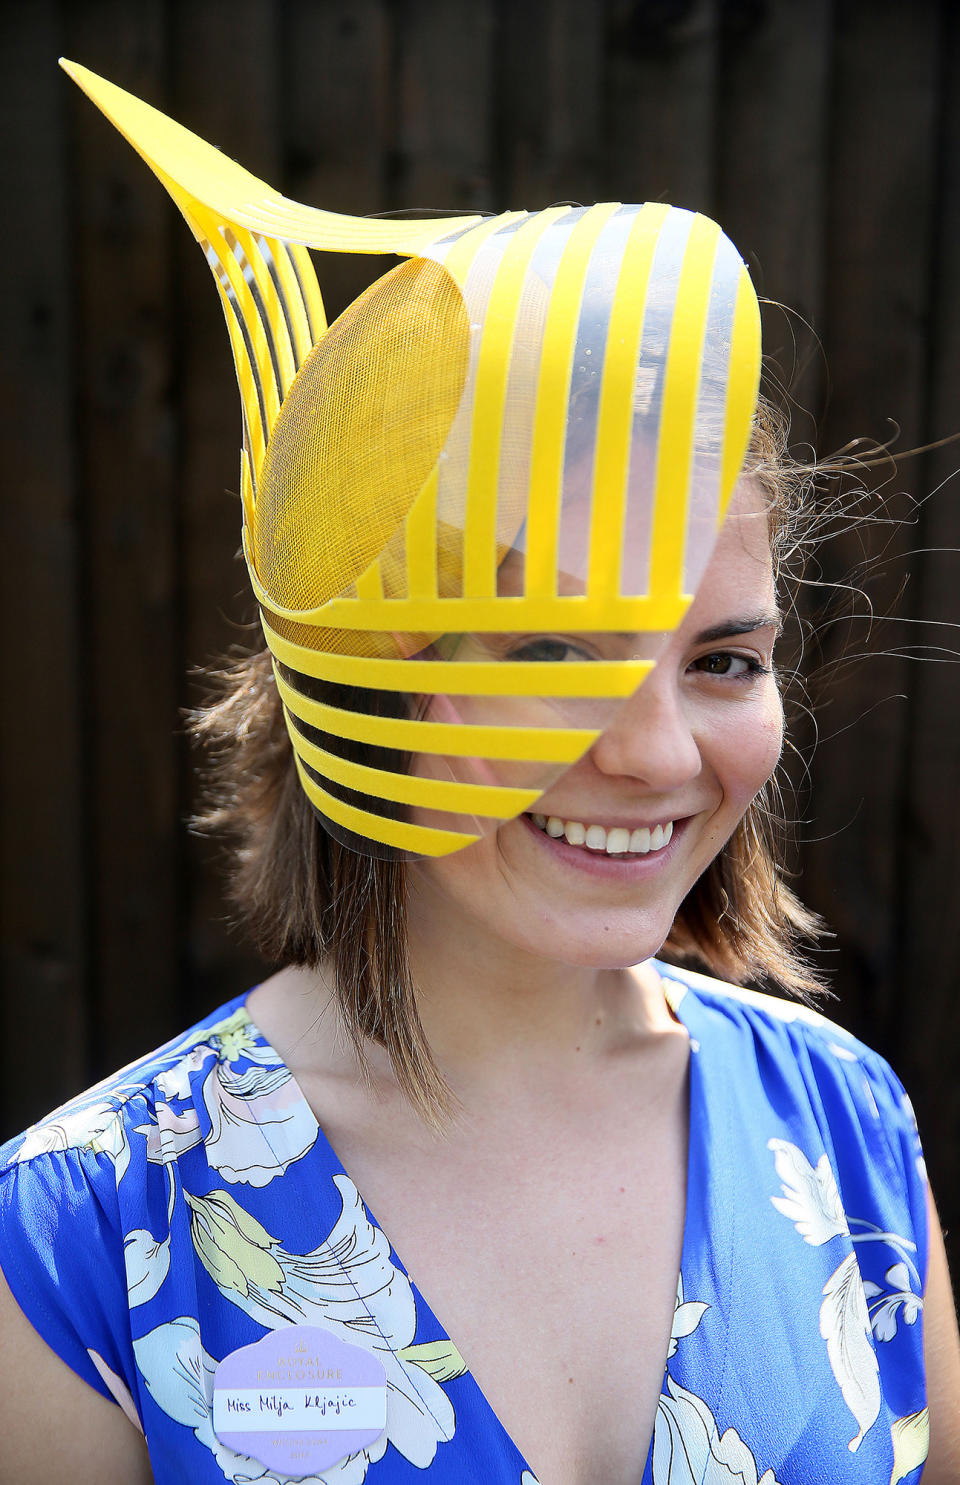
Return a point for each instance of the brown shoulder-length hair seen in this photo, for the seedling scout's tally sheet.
(306, 900)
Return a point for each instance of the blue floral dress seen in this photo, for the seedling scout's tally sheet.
(191, 1204)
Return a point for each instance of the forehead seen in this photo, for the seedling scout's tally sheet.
(741, 562)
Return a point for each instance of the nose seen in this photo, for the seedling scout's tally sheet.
(651, 738)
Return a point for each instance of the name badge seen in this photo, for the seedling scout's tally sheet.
(299, 1400)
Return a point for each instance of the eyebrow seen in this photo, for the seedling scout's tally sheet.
(733, 627)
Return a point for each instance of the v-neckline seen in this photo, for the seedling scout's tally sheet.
(695, 1237)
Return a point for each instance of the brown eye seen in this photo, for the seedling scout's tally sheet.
(547, 647)
(722, 663)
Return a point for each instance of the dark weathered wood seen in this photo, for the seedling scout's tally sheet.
(660, 103)
(928, 840)
(337, 135)
(772, 158)
(43, 1010)
(880, 203)
(241, 114)
(825, 138)
(550, 65)
(444, 119)
(126, 471)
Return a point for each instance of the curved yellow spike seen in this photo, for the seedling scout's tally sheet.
(187, 165)
(604, 479)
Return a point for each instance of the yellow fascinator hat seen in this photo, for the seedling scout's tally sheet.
(476, 504)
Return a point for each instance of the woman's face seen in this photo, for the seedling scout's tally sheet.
(682, 759)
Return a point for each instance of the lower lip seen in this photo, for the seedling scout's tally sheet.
(598, 864)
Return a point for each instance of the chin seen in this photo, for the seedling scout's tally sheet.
(600, 942)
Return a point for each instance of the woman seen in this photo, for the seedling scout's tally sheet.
(676, 1231)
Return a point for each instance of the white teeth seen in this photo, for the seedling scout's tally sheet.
(615, 841)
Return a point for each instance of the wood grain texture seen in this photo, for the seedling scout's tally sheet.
(44, 1011)
(550, 67)
(444, 118)
(927, 840)
(125, 468)
(243, 114)
(880, 202)
(824, 136)
(660, 97)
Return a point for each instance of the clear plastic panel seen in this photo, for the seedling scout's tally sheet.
(569, 516)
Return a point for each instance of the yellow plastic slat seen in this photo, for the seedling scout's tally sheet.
(615, 414)
(458, 256)
(742, 386)
(496, 802)
(422, 840)
(247, 497)
(574, 614)
(252, 321)
(463, 740)
(302, 263)
(678, 417)
(291, 292)
(553, 391)
(369, 584)
(464, 678)
(181, 159)
(249, 401)
(277, 320)
(421, 543)
(489, 398)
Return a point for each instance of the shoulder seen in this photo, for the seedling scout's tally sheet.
(791, 1036)
(812, 1085)
(90, 1216)
(738, 1004)
(793, 1041)
(94, 1125)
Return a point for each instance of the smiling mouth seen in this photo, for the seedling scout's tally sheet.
(615, 840)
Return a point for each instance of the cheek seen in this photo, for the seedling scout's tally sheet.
(750, 749)
(464, 879)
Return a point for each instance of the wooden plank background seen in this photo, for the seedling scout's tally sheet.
(823, 134)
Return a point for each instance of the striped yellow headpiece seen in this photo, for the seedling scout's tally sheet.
(475, 505)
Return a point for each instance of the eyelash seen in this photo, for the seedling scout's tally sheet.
(754, 667)
(525, 651)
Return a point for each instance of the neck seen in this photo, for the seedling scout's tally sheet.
(495, 1013)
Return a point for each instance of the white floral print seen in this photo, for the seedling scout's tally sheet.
(848, 1322)
(686, 1317)
(911, 1442)
(845, 1326)
(810, 1200)
(887, 1304)
(348, 1285)
(688, 1447)
(259, 1120)
(146, 1258)
(88, 1124)
(218, 1109)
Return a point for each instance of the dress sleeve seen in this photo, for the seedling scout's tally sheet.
(61, 1251)
(898, 1148)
